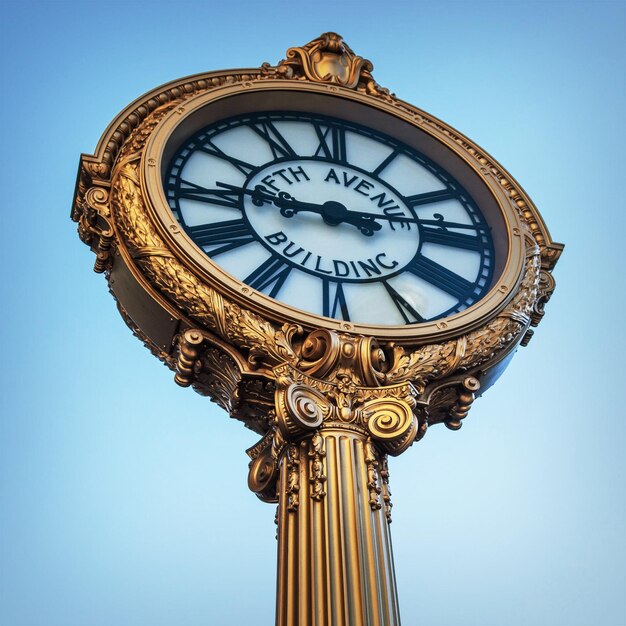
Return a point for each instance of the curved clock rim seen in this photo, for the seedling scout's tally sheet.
(405, 123)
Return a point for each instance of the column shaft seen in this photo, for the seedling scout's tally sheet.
(335, 562)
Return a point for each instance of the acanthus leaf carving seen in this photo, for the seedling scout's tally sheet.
(372, 464)
(433, 361)
(317, 473)
(293, 477)
(384, 475)
(251, 332)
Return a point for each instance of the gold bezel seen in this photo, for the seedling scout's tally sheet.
(406, 123)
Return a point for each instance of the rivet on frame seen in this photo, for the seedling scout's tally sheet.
(174, 229)
(180, 110)
(442, 325)
(245, 290)
(503, 288)
(516, 232)
(151, 162)
(346, 326)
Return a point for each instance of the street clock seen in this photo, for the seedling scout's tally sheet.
(334, 267)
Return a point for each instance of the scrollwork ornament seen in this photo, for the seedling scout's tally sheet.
(263, 476)
(300, 409)
(98, 198)
(545, 289)
(328, 59)
(319, 352)
(388, 419)
(97, 170)
(345, 359)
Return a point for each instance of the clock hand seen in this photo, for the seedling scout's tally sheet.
(333, 213)
(438, 221)
(260, 195)
(287, 204)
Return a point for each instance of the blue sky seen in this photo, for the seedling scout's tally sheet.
(123, 498)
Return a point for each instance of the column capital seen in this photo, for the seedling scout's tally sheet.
(388, 419)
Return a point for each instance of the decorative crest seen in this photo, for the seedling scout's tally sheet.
(328, 59)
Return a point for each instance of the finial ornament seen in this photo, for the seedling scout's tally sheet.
(328, 59)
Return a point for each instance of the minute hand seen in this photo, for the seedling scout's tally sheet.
(438, 221)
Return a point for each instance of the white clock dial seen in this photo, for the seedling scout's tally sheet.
(331, 218)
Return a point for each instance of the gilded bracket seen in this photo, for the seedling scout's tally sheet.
(188, 364)
(263, 469)
(94, 225)
(449, 401)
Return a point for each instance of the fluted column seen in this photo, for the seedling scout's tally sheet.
(335, 561)
(324, 460)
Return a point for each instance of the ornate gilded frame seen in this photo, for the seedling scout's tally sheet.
(170, 293)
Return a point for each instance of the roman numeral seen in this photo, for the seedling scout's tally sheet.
(445, 237)
(409, 314)
(441, 277)
(333, 300)
(225, 235)
(386, 162)
(429, 197)
(278, 144)
(213, 150)
(332, 142)
(222, 197)
(272, 273)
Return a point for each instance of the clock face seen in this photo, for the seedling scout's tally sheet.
(332, 218)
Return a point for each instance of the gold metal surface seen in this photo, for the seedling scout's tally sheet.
(329, 399)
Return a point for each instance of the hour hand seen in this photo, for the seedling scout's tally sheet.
(333, 213)
(260, 195)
